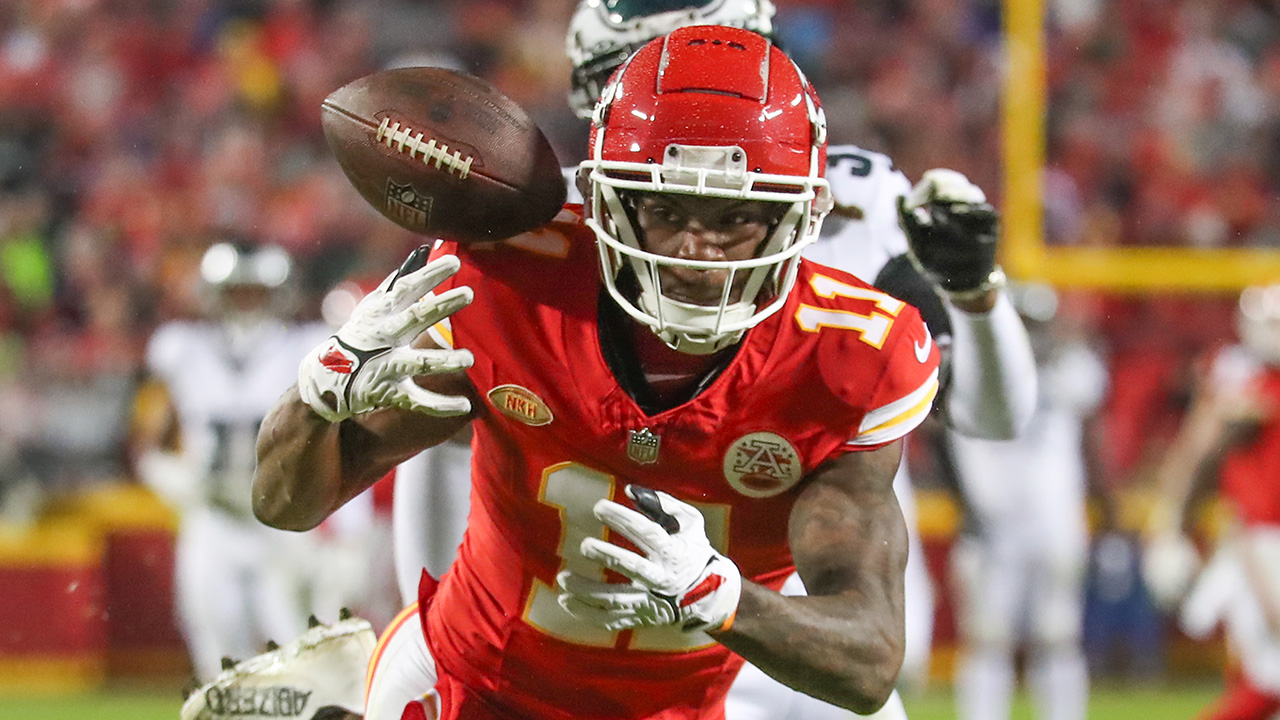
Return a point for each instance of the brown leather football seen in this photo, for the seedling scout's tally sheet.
(443, 154)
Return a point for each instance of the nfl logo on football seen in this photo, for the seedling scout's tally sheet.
(408, 206)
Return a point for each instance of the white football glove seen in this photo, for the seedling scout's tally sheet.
(680, 579)
(1170, 562)
(369, 363)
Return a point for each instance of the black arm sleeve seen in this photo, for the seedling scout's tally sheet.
(902, 280)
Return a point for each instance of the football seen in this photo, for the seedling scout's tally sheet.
(443, 153)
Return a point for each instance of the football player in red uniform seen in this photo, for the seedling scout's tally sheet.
(672, 412)
(1232, 435)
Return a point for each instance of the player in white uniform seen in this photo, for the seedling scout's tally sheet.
(992, 391)
(211, 383)
(1018, 570)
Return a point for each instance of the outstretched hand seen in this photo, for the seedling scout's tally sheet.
(951, 230)
(369, 363)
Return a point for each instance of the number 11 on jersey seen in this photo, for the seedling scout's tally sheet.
(573, 490)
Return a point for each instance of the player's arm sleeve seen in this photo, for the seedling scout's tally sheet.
(992, 392)
(907, 387)
(990, 378)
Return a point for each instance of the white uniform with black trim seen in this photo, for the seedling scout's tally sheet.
(237, 580)
(1020, 577)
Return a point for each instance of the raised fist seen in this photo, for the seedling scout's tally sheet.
(951, 230)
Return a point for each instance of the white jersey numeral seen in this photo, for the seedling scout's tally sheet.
(872, 327)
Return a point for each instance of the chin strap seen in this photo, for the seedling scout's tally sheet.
(686, 314)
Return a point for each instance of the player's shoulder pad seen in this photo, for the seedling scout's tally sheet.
(169, 344)
(841, 301)
(560, 239)
(874, 351)
(855, 172)
(534, 265)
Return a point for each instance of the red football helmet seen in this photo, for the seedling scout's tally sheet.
(719, 112)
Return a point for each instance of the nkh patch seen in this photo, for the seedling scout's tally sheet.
(643, 446)
(762, 464)
(520, 404)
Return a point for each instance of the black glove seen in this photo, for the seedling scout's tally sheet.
(952, 240)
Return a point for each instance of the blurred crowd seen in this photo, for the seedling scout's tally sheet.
(134, 133)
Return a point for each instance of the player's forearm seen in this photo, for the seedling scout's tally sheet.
(1188, 467)
(299, 477)
(844, 642)
(993, 373)
(824, 646)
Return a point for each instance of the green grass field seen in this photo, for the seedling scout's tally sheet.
(1106, 703)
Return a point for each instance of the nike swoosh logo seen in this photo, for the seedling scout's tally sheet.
(922, 350)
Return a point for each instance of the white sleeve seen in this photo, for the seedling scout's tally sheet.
(1076, 380)
(993, 373)
(409, 517)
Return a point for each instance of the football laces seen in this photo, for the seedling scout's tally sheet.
(401, 138)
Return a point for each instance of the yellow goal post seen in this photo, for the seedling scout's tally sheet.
(1024, 253)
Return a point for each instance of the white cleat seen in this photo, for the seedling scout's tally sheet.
(323, 670)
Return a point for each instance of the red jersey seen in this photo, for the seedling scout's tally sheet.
(1250, 473)
(841, 367)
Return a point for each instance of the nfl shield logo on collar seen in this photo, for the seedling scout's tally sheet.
(642, 446)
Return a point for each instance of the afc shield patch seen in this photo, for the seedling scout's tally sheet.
(408, 206)
(642, 446)
(762, 464)
(520, 404)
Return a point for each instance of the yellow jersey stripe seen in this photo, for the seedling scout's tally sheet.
(409, 613)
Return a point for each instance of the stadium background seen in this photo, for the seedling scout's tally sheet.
(1136, 154)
